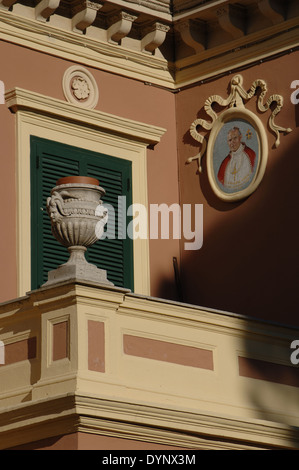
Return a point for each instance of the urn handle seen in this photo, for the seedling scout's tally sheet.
(55, 208)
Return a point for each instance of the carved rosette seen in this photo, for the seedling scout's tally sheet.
(80, 87)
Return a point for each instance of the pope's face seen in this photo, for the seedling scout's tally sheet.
(234, 140)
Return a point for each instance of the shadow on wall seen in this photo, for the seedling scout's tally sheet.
(249, 265)
(271, 386)
(249, 260)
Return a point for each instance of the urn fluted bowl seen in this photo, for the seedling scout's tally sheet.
(77, 218)
(75, 210)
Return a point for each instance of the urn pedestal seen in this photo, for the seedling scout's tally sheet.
(77, 218)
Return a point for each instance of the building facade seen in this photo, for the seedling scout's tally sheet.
(195, 344)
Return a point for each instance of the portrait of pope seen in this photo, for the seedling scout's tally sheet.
(237, 168)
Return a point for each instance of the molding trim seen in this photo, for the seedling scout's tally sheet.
(84, 49)
(141, 399)
(19, 99)
(240, 53)
(140, 58)
(192, 430)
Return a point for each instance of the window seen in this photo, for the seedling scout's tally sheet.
(57, 121)
(51, 161)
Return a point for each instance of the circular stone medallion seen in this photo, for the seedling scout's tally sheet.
(80, 87)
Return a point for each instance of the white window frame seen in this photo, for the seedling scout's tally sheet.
(63, 122)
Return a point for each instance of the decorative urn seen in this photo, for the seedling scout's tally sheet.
(77, 218)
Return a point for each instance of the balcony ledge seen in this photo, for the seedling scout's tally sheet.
(102, 360)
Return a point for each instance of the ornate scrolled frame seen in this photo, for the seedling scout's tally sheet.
(236, 109)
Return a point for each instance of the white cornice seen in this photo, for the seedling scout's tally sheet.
(155, 63)
(147, 7)
(86, 50)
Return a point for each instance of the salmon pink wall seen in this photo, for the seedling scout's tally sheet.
(86, 441)
(249, 260)
(120, 96)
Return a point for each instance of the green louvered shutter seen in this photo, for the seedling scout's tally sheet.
(113, 254)
(51, 161)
